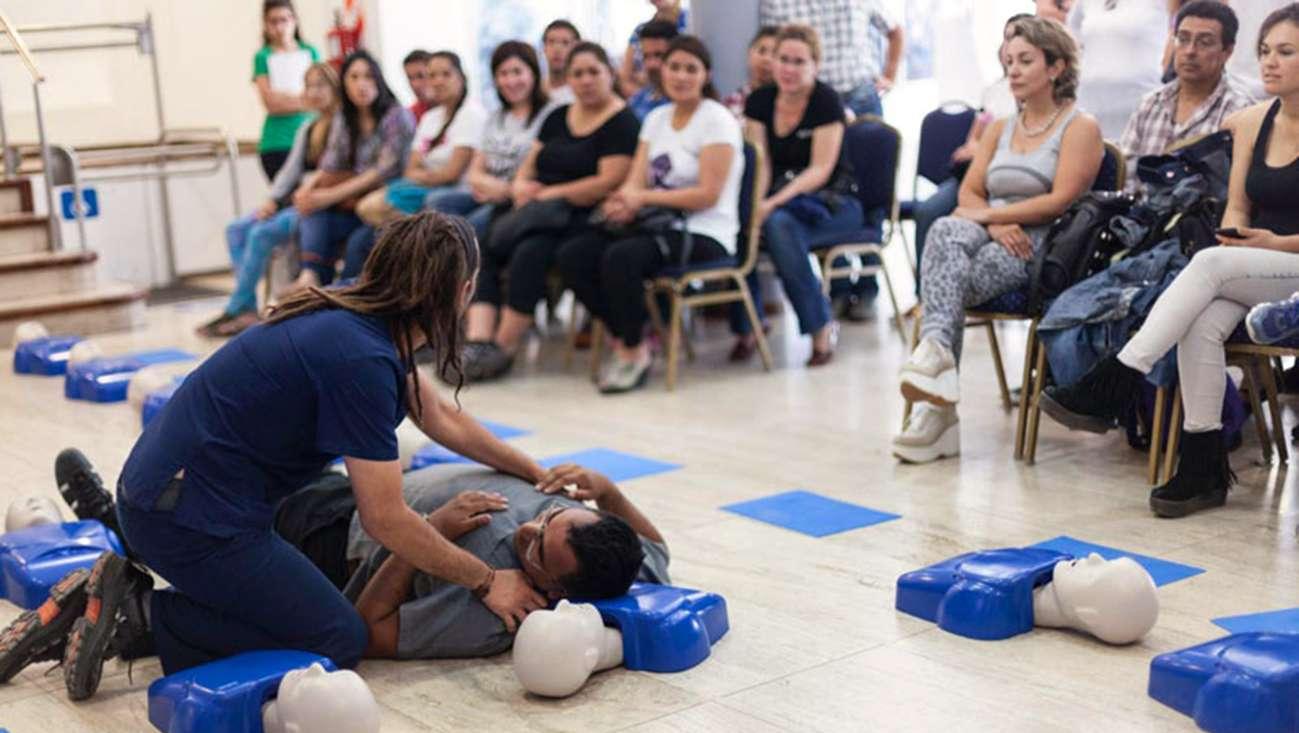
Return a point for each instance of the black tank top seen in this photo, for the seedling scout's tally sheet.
(1273, 192)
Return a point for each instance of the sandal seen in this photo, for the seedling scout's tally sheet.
(237, 324)
(209, 329)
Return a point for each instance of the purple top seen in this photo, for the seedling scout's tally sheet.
(384, 149)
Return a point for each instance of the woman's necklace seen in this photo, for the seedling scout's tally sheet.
(1023, 124)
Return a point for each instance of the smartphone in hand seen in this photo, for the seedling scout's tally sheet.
(1230, 232)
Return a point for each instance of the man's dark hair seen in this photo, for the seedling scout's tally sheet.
(1212, 10)
(609, 556)
(660, 29)
(561, 25)
(766, 31)
(418, 56)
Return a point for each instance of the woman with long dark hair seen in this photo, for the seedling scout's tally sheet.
(367, 146)
(330, 374)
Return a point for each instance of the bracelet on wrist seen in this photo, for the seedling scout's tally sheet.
(485, 587)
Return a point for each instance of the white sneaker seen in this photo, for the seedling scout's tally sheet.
(931, 433)
(930, 375)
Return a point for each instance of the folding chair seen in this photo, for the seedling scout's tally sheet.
(942, 131)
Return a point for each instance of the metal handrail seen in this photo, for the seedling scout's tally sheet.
(52, 223)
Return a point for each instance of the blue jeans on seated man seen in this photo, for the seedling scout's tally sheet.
(941, 203)
(785, 238)
(321, 236)
(462, 203)
(251, 242)
(864, 100)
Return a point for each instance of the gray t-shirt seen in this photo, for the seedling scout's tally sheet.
(507, 139)
(443, 619)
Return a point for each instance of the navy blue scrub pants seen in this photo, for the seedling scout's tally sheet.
(237, 594)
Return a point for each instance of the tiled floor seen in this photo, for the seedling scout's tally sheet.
(815, 642)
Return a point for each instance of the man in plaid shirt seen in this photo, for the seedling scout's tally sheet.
(1202, 95)
(854, 37)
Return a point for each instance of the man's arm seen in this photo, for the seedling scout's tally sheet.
(595, 486)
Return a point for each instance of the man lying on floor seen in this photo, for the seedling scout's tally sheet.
(566, 549)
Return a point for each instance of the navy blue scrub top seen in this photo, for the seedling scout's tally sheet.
(265, 414)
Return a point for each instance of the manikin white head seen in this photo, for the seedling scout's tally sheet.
(1114, 600)
(312, 700)
(556, 651)
(30, 512)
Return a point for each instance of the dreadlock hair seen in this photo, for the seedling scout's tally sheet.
(413, 278)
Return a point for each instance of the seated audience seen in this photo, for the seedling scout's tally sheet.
(631, 73)
(689, 159)
(1202, 95)
(761, 50)
(252, 238)
(1028, 169)
(582, 153)
(996, 103)
(1122, 44)
(654, 39)
(799, 124)
(556, 41)
(1257, 262)
(564, 548)
(278, 67)
(367, 144)
(506, 139)
(417, 76)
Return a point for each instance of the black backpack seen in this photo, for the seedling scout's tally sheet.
(1078, 245)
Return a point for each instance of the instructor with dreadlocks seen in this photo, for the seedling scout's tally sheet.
(332, 372)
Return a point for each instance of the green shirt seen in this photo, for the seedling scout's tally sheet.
(284, 70)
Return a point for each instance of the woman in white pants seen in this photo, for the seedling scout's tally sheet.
(1258, 262)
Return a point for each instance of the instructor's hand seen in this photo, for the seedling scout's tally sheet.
(512, 598)
(465, 513)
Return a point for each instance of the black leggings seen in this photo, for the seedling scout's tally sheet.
(525, 263)
(272, 162)
(608, 275)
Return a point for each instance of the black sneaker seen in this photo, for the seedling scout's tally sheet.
(1096, 402)
(114, 624)
(41, 634)
(1202, 479)
(82, 488)
(485, 361)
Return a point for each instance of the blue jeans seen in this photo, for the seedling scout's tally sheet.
(940, 204)
(243, 593)
(864, 100)
(462, 203)
(250, 243)
(321, 235)
(785, 238)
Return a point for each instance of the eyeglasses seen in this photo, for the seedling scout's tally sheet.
(536, 550)
(1201, 43)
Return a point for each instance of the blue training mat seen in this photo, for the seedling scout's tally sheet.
(665, 628)
(1243, 683)
(616, 465)
(225, 696)
(32, 560)
(1162, 571)
(1283, 621)
(809, 513)
(158, 399)
(980, 595)
(47, 356)
(434, 454)
(106, 380)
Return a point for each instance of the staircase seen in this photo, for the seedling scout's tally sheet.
(58, 289)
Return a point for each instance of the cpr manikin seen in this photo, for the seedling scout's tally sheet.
(1113, 600)
(30, 512)
(556, 651)
(312, 700)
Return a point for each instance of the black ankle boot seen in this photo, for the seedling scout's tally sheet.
(1202, 479)
(1096, 402)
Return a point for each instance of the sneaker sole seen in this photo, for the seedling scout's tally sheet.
(918, 388)
(948, 445)
(1073, 420)
(83, 662)
(1167, 509)
(39, 630)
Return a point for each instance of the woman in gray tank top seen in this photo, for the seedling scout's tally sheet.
(1028, 169)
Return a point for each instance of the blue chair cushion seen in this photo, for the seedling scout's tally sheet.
(1013, 303)
(679, 271)
(1241, 336)
(907, 209)
(869, 234)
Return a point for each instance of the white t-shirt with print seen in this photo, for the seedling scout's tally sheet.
(465, 132)
(674, 163)
(507, 140)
